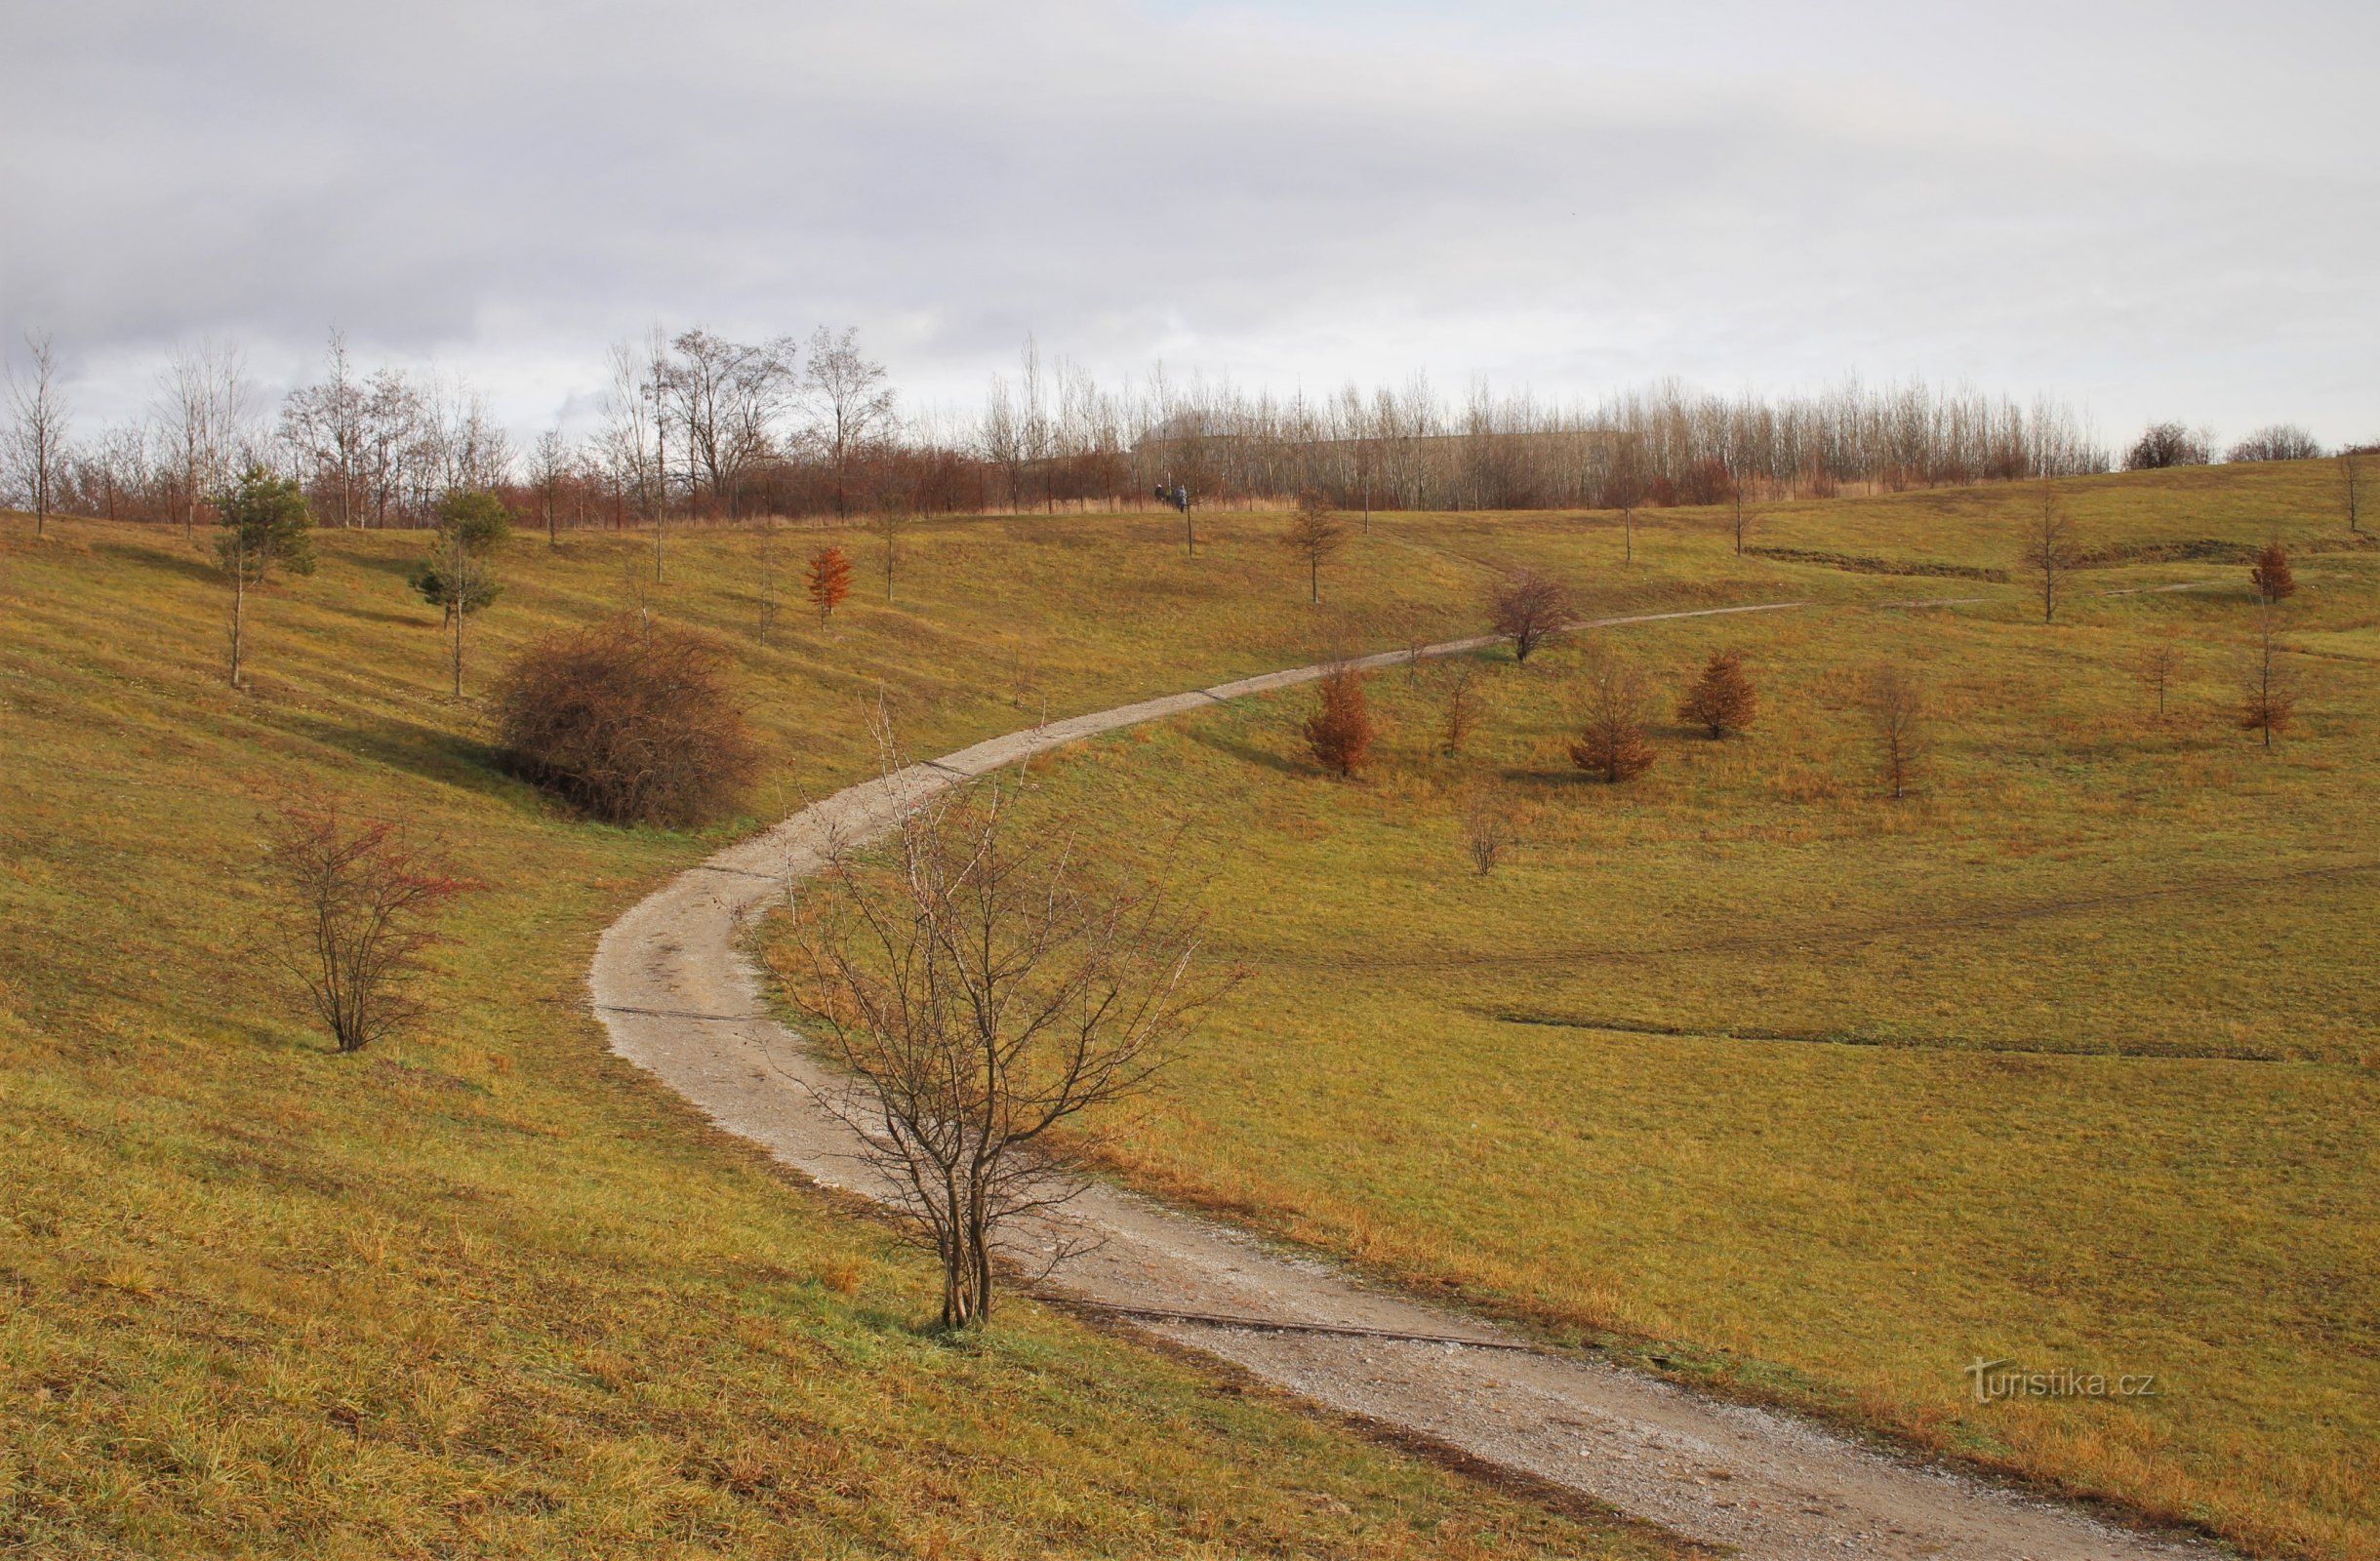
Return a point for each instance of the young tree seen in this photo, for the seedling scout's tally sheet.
(765, 565)
(551, 464)
(888, 520)
(1722, 699)
(2267, 692)
(2050, 551)
(2271, 575)
(990, 984)
(357, 904)
(1895, 702)
(459, 574)
(1340, 732)
(266, 524)
(850, 405)
(1459, 710)
(205, 408)
(2158, 668)
(36, 435)
(1488, 826)
(828, 581)
(1611, 741)
(1315, 533)
(2351, 489)
(1525, 607)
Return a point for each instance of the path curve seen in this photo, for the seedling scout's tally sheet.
(678, 996)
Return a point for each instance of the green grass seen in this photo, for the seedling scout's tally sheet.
(487, 1290)
(2070, 1057)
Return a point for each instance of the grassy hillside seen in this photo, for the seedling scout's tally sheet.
(2068, 1058)
(487, 1290)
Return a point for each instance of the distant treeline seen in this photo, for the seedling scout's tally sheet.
(696, 426)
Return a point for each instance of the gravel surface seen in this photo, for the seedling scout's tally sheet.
(678, 996)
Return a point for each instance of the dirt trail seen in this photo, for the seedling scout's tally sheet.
(679, 997)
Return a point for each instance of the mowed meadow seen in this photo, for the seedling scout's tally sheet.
(485, 1289)
(1747, 1073)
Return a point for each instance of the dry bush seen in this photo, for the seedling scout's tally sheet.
(1722, 700)
(1341, 732)
(2169, 444)
(828, 581)
(1489, 825)
(356, 903)
(1460, 711)
(1611, 741)
(2282, 441)
(628, 722)
(1525, 607)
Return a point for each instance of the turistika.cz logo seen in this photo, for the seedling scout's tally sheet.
(1996, 1380)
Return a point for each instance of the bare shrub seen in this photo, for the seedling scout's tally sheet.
(978, 990)
(1527, 606)
(358, 901)
(1460, 710)
(2282, 441)
(1611, 741)
(1489, 825)
(630, 722)
(1895, 700)
(1341, 732)
(2169, 444)
(1722, 699)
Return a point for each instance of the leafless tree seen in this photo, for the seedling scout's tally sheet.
(36, 435)
(850, 405)
(2351, 489)
(2050, 551)
(2282, 441)
(1488, 826)
(767, 567)
(551, 463)
(2268, 702)
(727, 398)
(1315, 533)
(1895, 700)
(204, 402)
(983, 989)
(1458, 709)
(326, 426)
(2159, 666)
(1525, 607)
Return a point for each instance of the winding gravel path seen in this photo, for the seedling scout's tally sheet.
(673, 985)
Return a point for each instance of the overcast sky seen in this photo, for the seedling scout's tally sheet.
(2151, 210)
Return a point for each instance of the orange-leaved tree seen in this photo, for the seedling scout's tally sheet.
(828, 581)
(1340, 733)
(1722, 699)
(2270, 574)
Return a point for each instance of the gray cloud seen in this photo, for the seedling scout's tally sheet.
(2153, 210)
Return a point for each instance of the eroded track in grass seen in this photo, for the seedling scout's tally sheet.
(680, 996)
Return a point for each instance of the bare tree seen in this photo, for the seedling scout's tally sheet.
(767, 566)
(889, 518)
(727, 397)
(1459, 710)
(1315, 533)
(204, 404)
(2350, 488)
(2282, 441)
(2169, 444)
(551, 464)
(2050, 551)
(1895, 702)
(1525, 607)
(2267, 692)
(37, 426)
(1488, 826)
(980, 992)
(325, 426)
(850, 405)
(2159, 666)
(356, 901)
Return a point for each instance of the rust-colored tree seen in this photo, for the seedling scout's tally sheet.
(2271, 575)
(1895, 702)
(2268, 694)
(630, 722)
(1340, 733)
(1611, 742)
(1722, 699)
(991, 983)
(357, 904)
(1315, 533)
(828, 581)
(1525, 607)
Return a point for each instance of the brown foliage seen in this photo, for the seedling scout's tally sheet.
(1525, 607)
(357, 899)
(1340, 733)
(828, 581)
(1722, 699)
(630, 722)
(1895, 700)
(1611, 741)
(2270, 574)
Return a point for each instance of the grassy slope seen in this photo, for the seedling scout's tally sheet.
(2128, 1137)
(487, 1290)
